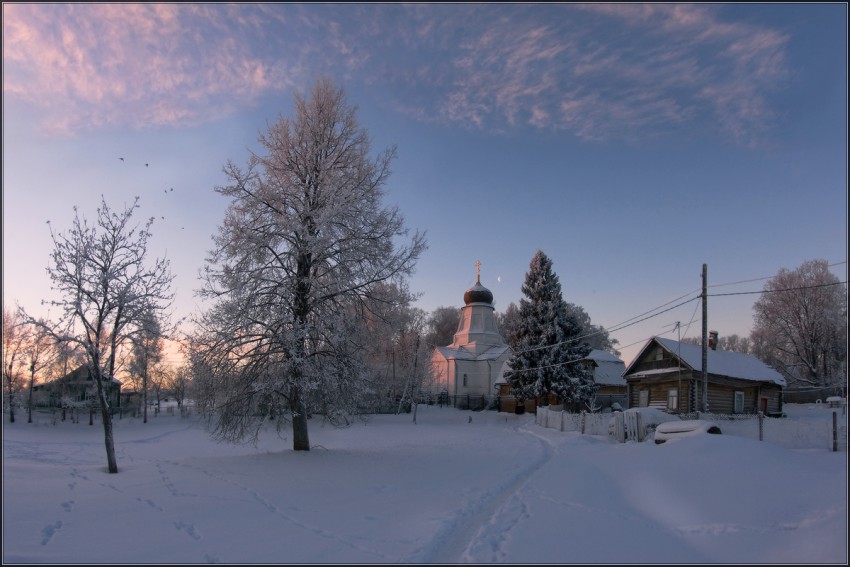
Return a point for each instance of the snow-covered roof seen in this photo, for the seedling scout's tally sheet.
(461, 353)
(720, 362)
(610, 373)
(609, 368)
(599, 355)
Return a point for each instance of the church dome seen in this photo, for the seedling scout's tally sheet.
(478, 294)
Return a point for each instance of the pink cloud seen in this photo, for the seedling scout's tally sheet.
(129, 64)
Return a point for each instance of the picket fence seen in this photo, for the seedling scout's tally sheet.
(788, 432)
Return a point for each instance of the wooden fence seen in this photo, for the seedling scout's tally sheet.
(829, 433)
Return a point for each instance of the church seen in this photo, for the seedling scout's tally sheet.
(466, 372)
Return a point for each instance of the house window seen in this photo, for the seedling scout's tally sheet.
(643, 398)
(673, 399)
(659, 354)
(464, 380)
(739, 402)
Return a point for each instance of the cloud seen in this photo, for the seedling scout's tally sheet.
(137, 65)
(602, 71)
(596, 71)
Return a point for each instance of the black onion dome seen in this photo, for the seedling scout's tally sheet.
(478, 294)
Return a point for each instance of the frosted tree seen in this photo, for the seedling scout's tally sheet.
(595, 335)
(800, 325)
(442, 326)
(15, 338)
(508, 322)
(731, 343)
(147, 354)
(107, 285)
(548, 342)
(41, 352)
(386, 323)
(305, 240)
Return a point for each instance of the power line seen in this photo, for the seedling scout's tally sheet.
(778, 290)
(610, 330)
(632, 321)
(765, 277)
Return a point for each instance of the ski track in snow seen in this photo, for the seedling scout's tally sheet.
(463, 531)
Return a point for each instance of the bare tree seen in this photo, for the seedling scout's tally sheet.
(15, 337)
(147, 354)
(730, 343)
(107, 286)
(800, 325)
(41, 351)
(178, 383)
(305, 238)
(442, 326)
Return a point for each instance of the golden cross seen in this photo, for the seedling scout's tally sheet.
(478, 271)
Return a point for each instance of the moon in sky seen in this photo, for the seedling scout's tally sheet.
(498, 278)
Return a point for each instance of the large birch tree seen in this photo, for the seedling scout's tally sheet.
(305, 240)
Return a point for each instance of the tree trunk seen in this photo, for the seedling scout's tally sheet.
(11, 397)
(300, 436)
(108, 440)
(145, 395)
(29, 398)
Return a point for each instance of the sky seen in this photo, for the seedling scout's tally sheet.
(631, 143)
(454, 487)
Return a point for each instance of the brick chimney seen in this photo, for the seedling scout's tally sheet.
(712, 340)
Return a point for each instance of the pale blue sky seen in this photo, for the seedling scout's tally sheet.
(631, 143)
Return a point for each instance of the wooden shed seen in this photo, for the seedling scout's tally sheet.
(667, 374)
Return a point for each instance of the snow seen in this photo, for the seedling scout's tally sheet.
(494, 489)
(673, 431)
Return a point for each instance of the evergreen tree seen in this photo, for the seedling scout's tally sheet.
(548, 342)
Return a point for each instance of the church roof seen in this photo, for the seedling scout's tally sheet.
(478, 294)
(461, 353)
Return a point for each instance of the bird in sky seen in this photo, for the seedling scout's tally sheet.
(146, 165)
(122, 159)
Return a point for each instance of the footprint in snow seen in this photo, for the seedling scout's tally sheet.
(48, 532)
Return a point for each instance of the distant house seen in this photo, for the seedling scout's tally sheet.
(667, 375)
(608, 374)
(75, 388)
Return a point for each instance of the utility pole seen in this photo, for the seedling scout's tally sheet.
(705, 338)
(679, 371)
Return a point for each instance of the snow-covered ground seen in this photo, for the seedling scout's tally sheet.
(445, 489)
